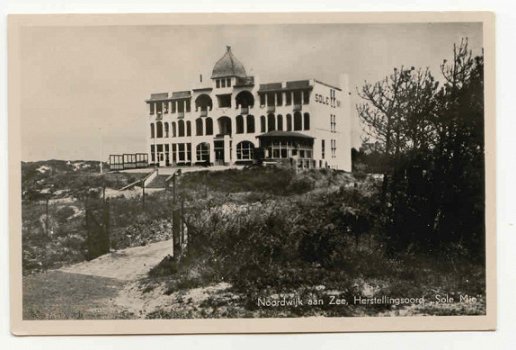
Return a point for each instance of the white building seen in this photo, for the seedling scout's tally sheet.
(235, 119)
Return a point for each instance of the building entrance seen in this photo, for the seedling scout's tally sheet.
(219, 152)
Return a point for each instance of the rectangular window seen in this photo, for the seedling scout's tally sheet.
(187, 106)
(288, 99)
(279, 99)
(301, 153)
(173, 109)
(223, 83)
(228, 82)
(165, 107)
(181, 152)
(159, 108)
(262, 100)
(306, 97)
(224, 101)
(174, 149)
(217, 83)
(322, 149)
(333, 148)
(270, 99)
(297, 97)
(151, 105)
(189, 152)
(152, 153)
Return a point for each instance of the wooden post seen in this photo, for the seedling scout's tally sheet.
(143, 194)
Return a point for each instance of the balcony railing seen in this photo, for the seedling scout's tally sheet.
(271, 109)
(244, 110)
(298, 107)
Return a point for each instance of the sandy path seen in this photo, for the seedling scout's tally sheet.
(126, 265)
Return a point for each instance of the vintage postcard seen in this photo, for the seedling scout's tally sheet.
(252, 173)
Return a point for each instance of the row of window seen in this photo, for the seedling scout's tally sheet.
(182, 152)
(222, 83)
(244, 99)
(276, 98)
(204, 126)
(333, 145)
(272, 122)
(333, 123)
(181, 129)
(163, 107)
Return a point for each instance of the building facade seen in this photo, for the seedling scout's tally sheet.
(235, 119)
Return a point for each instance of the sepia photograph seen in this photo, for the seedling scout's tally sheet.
(327, 169)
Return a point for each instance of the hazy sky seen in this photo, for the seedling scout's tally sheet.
(83, 88)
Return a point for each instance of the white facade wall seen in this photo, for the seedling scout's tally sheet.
(324, 101)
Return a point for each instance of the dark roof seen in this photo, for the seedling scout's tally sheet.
(298, 84)
(181, 94)
(290, 85)
(291, 134)
(246, 81)
(159, 96)
(228, 66)
(203, 89)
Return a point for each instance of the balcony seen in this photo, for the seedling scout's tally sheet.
(203, 111)
(271, 109)
(298, 107)
(180, 114)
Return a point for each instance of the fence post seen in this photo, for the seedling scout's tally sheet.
(143, 194)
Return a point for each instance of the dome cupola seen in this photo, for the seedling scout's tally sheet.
(228, 66)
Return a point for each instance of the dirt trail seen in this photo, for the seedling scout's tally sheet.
(126, 265)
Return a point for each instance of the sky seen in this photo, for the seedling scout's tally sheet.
(83, 89)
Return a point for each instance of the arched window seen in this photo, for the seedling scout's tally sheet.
(239, 124)
(198, 127)
(250, 124)
(181, 127)
(245, 150)
(224, 125)
(280, 122)
(159, 129)
(209, 126)
(262, 124)
(166, 129)
(152, 130)
(244, 99)
(289, 122)
(298, 121)
(174, 134)
(203, 152)
(188, 128)
(271, 122)
(203, 103)
(306, 120)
